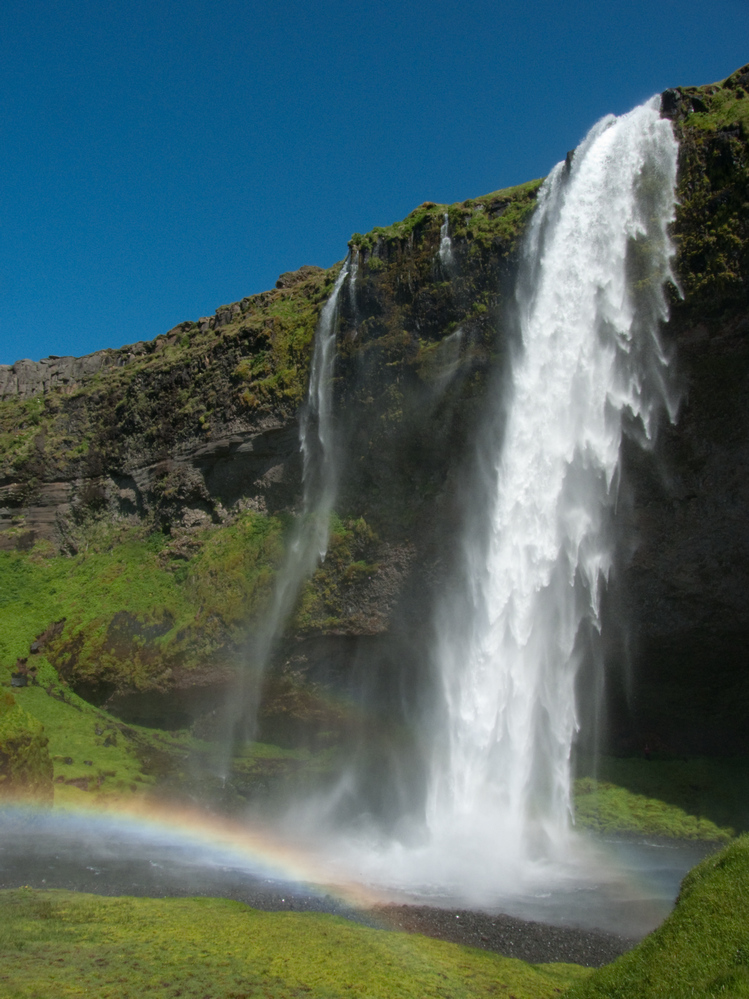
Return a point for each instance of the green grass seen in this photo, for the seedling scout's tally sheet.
(605, 808)
(98, 760)
(725, 106)
(138, 605)
(501, 215)
(104, 753)
(25, 766)
(57, 943)
(348, 562)
(716, 789)
(701, 951)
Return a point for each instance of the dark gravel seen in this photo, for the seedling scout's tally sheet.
(537, 943)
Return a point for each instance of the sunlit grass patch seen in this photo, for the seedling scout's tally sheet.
(606, 808)
(57, 943)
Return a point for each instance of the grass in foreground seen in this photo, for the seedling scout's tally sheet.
(701, 951)
(57, 943)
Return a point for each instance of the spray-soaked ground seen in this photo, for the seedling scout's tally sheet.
(627, 890)
(624, 887)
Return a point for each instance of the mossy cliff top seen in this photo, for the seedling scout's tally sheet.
(121, 408)
(712, 221)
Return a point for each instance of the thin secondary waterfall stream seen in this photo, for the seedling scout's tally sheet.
(309, 540)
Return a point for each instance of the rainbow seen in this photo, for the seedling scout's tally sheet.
(210, 839)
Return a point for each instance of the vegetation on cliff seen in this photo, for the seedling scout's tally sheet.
(156, 395)
(25, 766)
(712, 224)
(116, 513)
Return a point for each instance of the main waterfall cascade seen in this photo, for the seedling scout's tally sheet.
(538, 549)
(589, 297)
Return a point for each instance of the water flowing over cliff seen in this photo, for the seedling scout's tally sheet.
(507, 569)
(589, 300)
(309, 539)
(538, 547)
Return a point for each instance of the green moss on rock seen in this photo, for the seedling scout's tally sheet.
(25, 764)
(605, 808)
(712, 221)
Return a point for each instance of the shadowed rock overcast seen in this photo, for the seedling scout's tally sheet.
(161, 161)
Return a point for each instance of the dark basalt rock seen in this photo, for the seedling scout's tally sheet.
(671, 103)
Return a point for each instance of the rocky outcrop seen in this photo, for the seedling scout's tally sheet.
(26, 379)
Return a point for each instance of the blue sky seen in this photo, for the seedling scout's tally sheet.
(163, 157)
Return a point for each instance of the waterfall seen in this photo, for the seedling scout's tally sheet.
(589, 298)
(446, 244)
(352, 279)
(309, 540)
(316, 434)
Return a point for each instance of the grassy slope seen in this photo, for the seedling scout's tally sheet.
(609, 809)
(701, 951)
(138, 604)
(210, 591)
(64, 944)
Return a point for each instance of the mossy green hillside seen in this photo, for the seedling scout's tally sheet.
(700, 951)
(275, 373)
(607, 809)
(89, 757)
(139, 605)
(324, 603)
(64, 944)
(94, 757)
(500, 215)
(25, 765)
(715, 788)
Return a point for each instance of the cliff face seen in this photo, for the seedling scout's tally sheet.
(686, 583)
(183, 452)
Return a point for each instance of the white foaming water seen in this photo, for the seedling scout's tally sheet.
(446, 244)
(590, 355)
(590, 296)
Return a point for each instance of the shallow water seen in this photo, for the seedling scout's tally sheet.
(625, 887)
(113, 856)
(628, 891)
